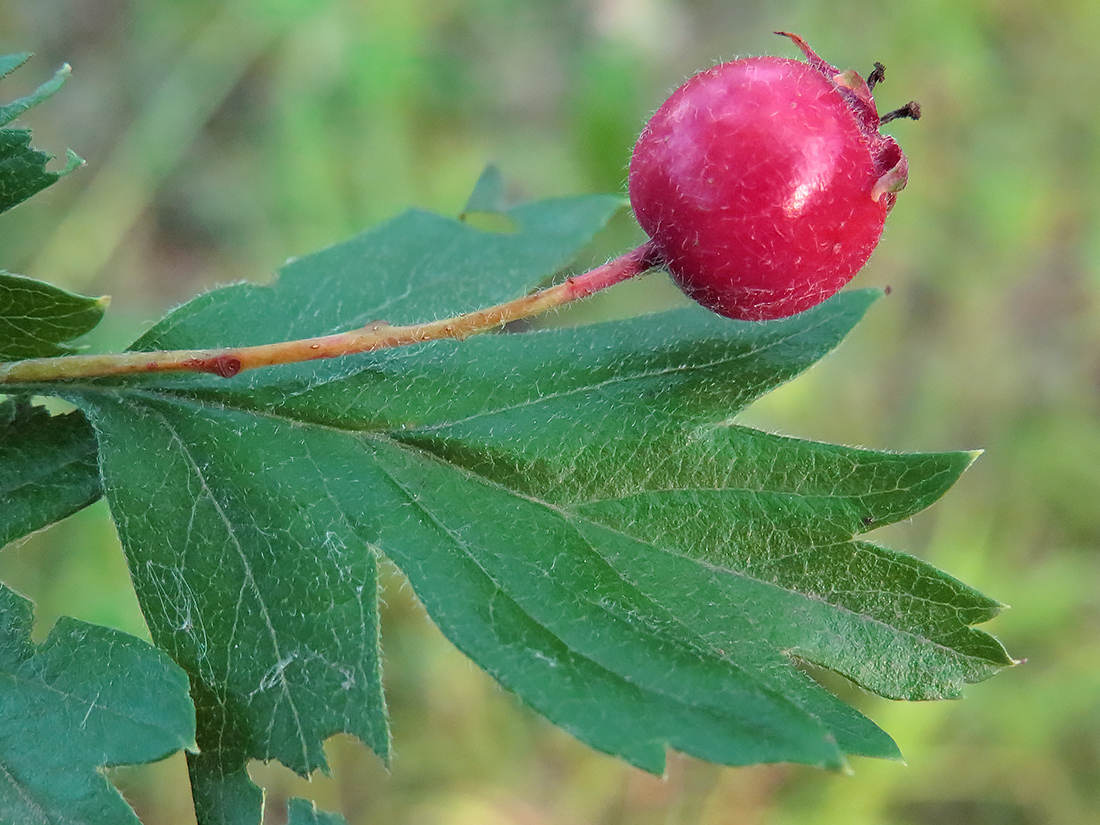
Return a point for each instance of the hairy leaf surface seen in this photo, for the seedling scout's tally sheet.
(86, 698)
(575, 507)
(36, 318)
(241, 528)
(47, 468)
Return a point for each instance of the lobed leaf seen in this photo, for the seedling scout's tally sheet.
(86, 698)
(23, 170)
(249, 577)
(574, 507)
(759, 507)
(238, 526)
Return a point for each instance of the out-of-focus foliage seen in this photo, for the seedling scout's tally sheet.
(223, 137)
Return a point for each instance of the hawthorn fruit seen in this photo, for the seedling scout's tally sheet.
(764, 183)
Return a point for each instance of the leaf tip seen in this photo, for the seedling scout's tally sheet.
(57, 81)
(854, 302)
(10, 62)
(72, 161)
(488, 194)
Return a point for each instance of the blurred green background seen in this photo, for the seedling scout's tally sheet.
(225, 137)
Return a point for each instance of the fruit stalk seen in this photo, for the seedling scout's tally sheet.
(229, 361)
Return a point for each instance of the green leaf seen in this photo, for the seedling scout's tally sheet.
(10, 62)
(48, 468)
(543, 608)
(223, 795)
(488, 194)
(87, 698)
(36, 318)
(12, 110)
(486, 207)
(248, 576)
(246, 560)
(416, 267)
(304, 812)
(23, 170)
(574, 507)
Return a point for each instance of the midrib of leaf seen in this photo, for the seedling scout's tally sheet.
(250, 580)
(216, 676)
(29, 802)
(853, 616)
(686, 635)
(689, 650)
(642, 377)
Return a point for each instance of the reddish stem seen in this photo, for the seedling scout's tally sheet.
(229, 361)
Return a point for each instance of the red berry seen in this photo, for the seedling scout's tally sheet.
(764, 183)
